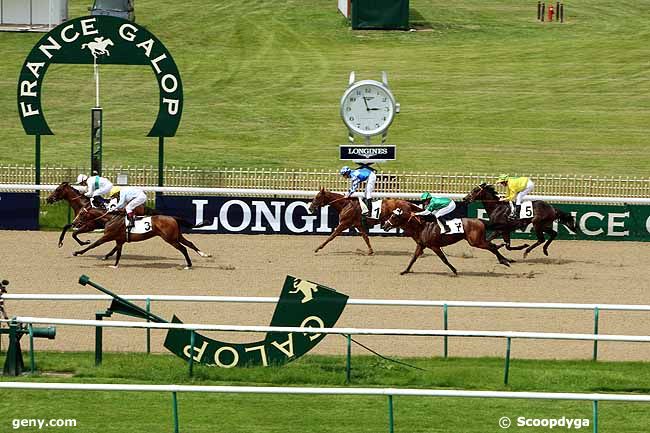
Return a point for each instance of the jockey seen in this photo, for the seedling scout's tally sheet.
(518, 189)
(438, 207)
(129, 198)
(97, 187)
(356, 177)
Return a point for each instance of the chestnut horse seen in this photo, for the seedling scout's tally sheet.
(427, 235)
(77, 201)
(543, 217)
(349, 211)
(167, 227)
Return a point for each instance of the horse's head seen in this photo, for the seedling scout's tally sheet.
(58, 193)
(319, 201)
(395, 219)
(484, 191)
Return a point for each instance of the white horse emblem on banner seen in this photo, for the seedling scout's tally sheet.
(99, 47)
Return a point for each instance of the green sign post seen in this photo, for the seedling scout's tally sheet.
(99, 40)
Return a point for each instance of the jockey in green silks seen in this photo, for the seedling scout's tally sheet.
(438, 207)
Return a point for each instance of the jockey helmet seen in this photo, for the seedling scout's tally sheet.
(503, 178)
(344, 170)
(114, 191)
(82, 178)
(425, 196)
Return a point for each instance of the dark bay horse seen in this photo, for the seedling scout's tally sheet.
(543, 217)
(77, 201)
(166, 227)
(349, 211)
(427, 235)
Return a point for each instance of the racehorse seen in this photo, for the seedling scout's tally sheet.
(77, 201)
(427, 235)
(166, 227)
(349, 211)
(543, 217)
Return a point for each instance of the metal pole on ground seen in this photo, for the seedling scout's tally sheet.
(348, 360)
(175, 411)
(32, 365)
(595, 416)
(98, 340)
(507, 367)
(148, 309)
(391, 420)
(445, 317)
(595, 355)
(191, 361)
(539, 10)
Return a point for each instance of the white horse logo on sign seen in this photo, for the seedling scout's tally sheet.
(99, 47)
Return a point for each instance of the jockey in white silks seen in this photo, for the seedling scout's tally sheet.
(130, 198)
(97, 187)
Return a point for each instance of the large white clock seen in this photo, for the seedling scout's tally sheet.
(368, 107)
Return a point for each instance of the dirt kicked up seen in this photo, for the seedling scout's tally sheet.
(575, 272)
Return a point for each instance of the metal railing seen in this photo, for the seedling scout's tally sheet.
(387, 392)
(387, 181)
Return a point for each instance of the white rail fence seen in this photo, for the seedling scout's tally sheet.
(348, 332)
(311, 193)
(595, 398)
(445, 305)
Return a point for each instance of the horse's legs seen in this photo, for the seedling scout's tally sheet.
(540, 240)
(118, 250)
(477, 240)
(95, 244)
(442, 256)
(419, 249)
(337, 231)
(189, 244)
(79, 241)
(365, 237)
(63, 232)
(553, 234)
(506, 238)
(176, 244)
(113, 251)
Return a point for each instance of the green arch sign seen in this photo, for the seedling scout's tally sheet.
(106, 41)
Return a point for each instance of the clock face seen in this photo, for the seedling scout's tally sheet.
(367, 108)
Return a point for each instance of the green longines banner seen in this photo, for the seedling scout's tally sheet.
(594, 222)
(301, 304)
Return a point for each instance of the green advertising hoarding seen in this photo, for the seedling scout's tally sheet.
(594, 222)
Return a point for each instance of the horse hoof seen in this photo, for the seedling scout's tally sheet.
(187, 268)
(60, 244)
(512, 261)
(404, 272)
(85, 243)
(75, 254)
(546, 253)
(525, 255)
(370, 253)
(112, 266)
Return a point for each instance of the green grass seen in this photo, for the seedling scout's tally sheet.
(483, 87)
(146, 412)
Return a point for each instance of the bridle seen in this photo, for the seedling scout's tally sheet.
(84, 211)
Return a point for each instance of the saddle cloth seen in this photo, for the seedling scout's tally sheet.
(453, 226)
(376, 208)
(526, 210)
(142, 225)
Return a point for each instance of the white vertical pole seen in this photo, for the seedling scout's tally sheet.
(49, 15)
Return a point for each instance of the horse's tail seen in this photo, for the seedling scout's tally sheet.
(566, 219)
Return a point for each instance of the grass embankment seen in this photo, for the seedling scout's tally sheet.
(483, 86)
(147, 412)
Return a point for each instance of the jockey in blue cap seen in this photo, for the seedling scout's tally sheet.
(356, 177)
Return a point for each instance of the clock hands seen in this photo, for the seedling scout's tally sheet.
(365, 101)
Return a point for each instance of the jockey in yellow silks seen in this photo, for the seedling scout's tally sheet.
(517, 189)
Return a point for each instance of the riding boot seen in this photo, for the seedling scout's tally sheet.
(131, 217)
(443, 226)
(368, 202)
(514, 216)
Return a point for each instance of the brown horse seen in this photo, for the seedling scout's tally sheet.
(349, 211)
(543, 217)
(166, 227)
(77, 201)
(427, 235)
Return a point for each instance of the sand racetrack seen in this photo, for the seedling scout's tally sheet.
(244, 265)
